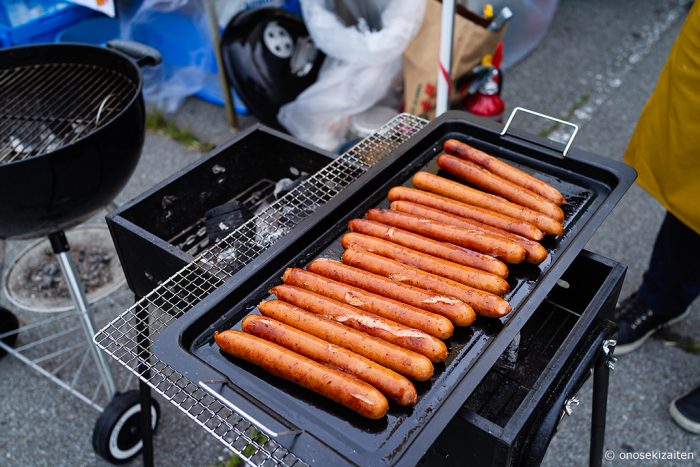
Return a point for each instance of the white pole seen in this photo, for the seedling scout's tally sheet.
(447, 23)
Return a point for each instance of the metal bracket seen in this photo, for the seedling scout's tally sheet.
(608, 350)
(570, 404)
(568, 409)
(541, 115)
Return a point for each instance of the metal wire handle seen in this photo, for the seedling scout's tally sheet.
(548, 117)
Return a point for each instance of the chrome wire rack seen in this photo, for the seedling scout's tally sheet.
(128, 337)
(54, 345)
(42, 109)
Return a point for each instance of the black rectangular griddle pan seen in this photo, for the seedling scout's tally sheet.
(324, 433)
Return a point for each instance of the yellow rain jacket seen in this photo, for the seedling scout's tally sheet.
(665, 146)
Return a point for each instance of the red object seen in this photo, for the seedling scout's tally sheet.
(487, 102)
(498, 56)
(484, 105)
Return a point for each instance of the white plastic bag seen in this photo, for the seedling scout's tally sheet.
(356, 74)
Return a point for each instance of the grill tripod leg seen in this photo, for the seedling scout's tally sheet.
(60, 249)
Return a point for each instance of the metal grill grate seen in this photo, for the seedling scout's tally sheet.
(128, 337)
(45, 107)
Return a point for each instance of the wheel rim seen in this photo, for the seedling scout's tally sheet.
(125, 439)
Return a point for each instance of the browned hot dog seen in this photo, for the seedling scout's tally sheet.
(482, 178)
(394, 386)
(442, 186)
(374, 325)
(464, 274)
(333, 384)
(433, 324)
(502, 248)
(534, 252)
(485, 303)
(443, 250)
(494, 219)
(457, 311)
(503, 169)
(404, 361)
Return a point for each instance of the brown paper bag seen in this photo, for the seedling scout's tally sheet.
(420, 59)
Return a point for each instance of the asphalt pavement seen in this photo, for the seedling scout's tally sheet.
(596, 67)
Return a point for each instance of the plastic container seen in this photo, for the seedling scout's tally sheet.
(35, 21)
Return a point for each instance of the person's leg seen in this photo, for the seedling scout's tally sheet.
(672, 281)
(670, 285)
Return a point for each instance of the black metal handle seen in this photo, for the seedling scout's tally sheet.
(141, 53)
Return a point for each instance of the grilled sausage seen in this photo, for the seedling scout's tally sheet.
(534, 252)
(374, 325)
(394, 386)
(494, 219)
(442, 186)
(503, 169)
(429, 246)
(404, 361)
(455, 310)
(482, 178)
(485, 303)
(433, 324)
(333, 384)
(464, 274)
(502, 248)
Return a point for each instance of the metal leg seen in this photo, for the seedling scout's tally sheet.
(143, 349)
(601, 376)
(60, 248)
(223, 79)
(444, 82)
(146, 431)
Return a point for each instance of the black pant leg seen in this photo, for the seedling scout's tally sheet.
(672, 281)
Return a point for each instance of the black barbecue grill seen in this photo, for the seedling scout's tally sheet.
(232, 399)
(164, 229)
(64, 114)
(72, 123)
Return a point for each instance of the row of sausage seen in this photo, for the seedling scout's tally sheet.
(359, 330)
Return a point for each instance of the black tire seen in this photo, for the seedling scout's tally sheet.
(117, 433)
(8, 323)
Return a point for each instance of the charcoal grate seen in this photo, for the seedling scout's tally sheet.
(45, 107)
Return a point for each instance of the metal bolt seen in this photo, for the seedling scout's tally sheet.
(608, 345)
(569, 405)
(608, 348)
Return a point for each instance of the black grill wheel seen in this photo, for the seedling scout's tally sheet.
(8, 323)
(117, 433)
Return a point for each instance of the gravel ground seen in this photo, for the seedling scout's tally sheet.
(596, 67)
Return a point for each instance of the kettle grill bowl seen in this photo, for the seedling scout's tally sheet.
(57, 189)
